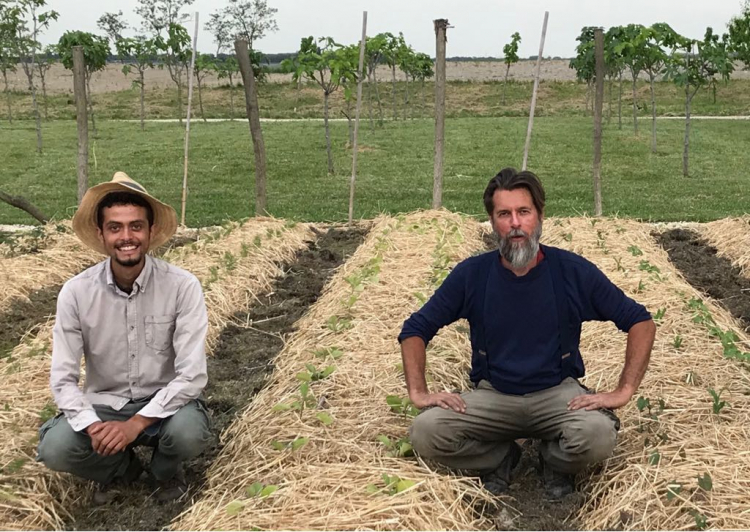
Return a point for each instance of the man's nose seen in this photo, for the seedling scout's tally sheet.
(515, 220)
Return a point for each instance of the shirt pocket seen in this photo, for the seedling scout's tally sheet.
(159, 332)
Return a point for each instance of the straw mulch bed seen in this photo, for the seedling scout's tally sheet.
(323, 484)
(686, 440)
(31, 496)
(63, 257)
(731, 238)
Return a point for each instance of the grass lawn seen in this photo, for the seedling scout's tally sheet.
(395, 167)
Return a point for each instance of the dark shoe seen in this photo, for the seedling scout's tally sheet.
(556, 484)
(498, 481)
(106, 493)
(172, 489)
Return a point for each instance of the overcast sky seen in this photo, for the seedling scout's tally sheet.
(480, 27)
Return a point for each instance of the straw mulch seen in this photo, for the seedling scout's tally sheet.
(32, 497)
(731, 238)
(62, 257)
(686, 440)
(323, 484)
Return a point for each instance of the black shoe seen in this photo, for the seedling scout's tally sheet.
(556, 484)
(172, 489)
(106, 493)
(498, 481)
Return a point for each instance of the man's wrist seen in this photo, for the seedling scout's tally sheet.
(142, 422)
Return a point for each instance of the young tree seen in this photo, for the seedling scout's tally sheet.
(177, 49)
(158, 15)
(44, 63)
(204, 64)
(113, 25)
(583, 63)
(31, 22)
(138, 53)
(251, 19)
(423, 70)
(95, 54)
(227, 69)
(390, 56)
(328, 65)
(615, 67)
(693, 70)
(406, 59)
(510, 53)
(374, 50)
(739, 35)
(632, 48)
(654, 60)
(9, 21)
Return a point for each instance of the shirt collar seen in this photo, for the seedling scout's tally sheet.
(142, 279)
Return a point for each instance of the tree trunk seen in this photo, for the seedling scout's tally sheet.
(231, 98)
(178, 81)
(635, 107)
(588, 96)
(90, 100)
(424, 100)
(505, 83)
(619, 104)
(351, 124)
(82, 121)
(7, 96)
(609, 102)
(377, 97)
(143, 104)
(653, 113)
(369, 99)
(24, 204)
(328, 132)
(714, 91)
(44, 95)
(686, 145)
(598, 104)
(200, 99)
(406, 97)
(35, 106)
(393, 85)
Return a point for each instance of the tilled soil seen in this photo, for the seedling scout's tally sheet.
(707, 271)
(237, 370)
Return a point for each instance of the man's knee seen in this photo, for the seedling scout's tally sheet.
(60, 447)
(426, 435)
(187, 432)
(592, 439)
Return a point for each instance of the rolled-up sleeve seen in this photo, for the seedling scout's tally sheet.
(65, 373)
(189, 342)
(446, 305)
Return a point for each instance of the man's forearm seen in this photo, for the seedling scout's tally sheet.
(413, 355)
(143, 422)
(637, 355)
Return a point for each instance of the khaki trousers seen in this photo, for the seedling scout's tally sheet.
(480, 438)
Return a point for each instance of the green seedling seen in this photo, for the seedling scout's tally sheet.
(646, 266)
(329, 352)
(325, 418)
(48, 412)
(593, 223)
(255, 490)
(14, 466)
(400, 448)
(245, 251)
(294, 445)
(620, 230)
(654, 458)
(635, 251)
(392, 484)
(420, 297)
(290, 224)
(618, 261)
(230, 262)
(336, 324)
(705, 482)
(701, 521)
(644, 404)
(313, 374)
(660, 314)
(568, 237)
(641, 286)
(402, 405)
(677, 342)
(305, 400)
(718, 405)
(673, 489)
(257, 242)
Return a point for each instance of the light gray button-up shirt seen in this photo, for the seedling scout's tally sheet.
(151, 341)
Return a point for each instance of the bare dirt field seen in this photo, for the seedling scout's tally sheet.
(60, 80)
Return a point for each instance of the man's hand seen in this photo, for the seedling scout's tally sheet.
(111, 437)
(594, 401)
(449, 401)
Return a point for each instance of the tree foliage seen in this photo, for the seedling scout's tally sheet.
(510, 50)
(242, 19)
(158, 15)
(739, 35)
(95, 50)
(113, 25)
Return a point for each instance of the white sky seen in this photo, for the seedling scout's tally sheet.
(480, 27)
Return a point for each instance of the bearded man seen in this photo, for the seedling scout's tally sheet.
(140, 323)
(525, 307)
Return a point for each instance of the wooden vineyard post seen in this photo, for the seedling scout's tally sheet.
(187, 126)
(253, 117)
(82, 121)
(441, 26)
(356, 114)
(598, 102)
(533, 94)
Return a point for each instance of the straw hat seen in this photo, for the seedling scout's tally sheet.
(85, 223)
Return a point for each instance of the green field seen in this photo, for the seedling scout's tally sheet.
(395, 167)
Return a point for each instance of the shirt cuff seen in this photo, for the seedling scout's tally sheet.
(82, 419)
(154, 409)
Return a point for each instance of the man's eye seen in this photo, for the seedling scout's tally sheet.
(137, 227)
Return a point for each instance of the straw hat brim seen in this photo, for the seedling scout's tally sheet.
(85, 222)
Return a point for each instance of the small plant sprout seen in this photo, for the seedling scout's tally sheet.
(230, 262)
(677, 341)
(294, 445)
(397, 448)
(304, 400)
(718, 405)
(245, 251)
(568, 237)
(654, 458)
(392, 485)
(705, 482)
(659, 314)
(673, 489)
(646, 266)
(420, 297)
(313, 374)
(635, 251)
(641, 287)
(402, 405)
(254, 490)
(257, 241)
(701, 521)
(618, 261)
(329, 352)
(325, 418)
(337, 324)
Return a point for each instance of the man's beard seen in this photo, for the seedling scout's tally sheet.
(135, 261)
(523, 253)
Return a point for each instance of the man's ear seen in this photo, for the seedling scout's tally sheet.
(99, 233)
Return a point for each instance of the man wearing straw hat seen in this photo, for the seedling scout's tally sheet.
(141, 325)
(525, 307)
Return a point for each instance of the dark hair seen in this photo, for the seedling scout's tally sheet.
(510, 179)
(123, 198)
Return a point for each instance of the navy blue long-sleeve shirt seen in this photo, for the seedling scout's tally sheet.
(515, 324)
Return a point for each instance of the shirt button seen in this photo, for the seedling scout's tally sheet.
(132, 355)
(132, 327)
(132, 384)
